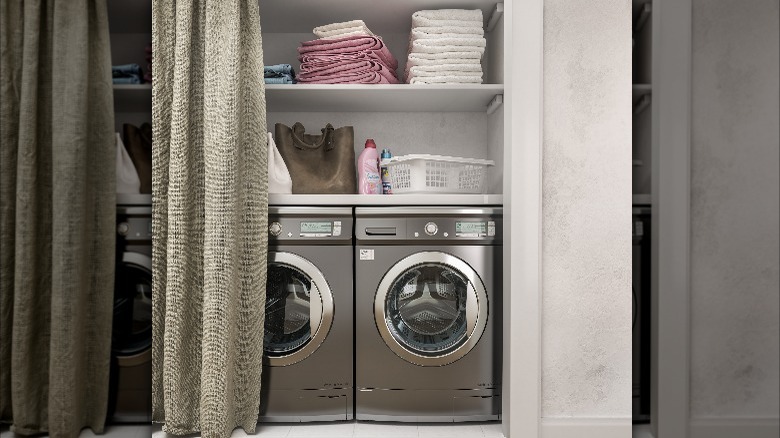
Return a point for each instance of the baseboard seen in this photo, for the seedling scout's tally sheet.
(586, 428)
(735, 427)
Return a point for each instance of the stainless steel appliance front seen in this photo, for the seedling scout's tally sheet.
(428, 306)
(308, 342)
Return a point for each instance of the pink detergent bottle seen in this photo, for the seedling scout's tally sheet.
(369, 180)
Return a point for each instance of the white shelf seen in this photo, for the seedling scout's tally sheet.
(406, 199)
(132, 98)
(381, 98)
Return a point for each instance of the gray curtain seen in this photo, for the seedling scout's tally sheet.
(210, 206)
(57, 215)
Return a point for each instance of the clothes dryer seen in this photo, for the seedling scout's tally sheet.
(428, 314)
(308, 364)
(130, 387)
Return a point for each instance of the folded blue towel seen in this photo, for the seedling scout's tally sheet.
(128, 80)
(127, 74)
(285, 79)
(275, 71)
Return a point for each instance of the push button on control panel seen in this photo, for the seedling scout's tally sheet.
(275, 229)
(431, 228)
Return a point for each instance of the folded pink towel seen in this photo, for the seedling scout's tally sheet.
(317, 70)
(364, 77)
(350, 44)
(316, 57)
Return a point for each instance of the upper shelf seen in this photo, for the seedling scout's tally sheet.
(344, 98)
(379, 16)
(133, 98)
(382, 98)
(406, 199)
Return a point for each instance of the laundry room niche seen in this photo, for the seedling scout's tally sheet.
(463, 120)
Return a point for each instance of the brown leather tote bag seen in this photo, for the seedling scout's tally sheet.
(318, 163)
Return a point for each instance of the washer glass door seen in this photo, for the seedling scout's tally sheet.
(132, 323)
(298, 309)
(431, 308)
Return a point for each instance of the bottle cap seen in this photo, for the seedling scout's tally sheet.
(370, 143)
(386, 153)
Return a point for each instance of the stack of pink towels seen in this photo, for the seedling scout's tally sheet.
(351, 59)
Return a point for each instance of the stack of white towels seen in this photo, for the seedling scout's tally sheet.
(446, 47)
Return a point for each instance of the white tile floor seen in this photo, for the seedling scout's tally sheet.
(123, 431)
(367, 430)
(319, 430)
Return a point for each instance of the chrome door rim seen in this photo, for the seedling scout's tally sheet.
(324, 306)
(144, 263)
(476, 307)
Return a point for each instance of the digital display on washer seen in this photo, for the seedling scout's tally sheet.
(316, 227)
(470, 229)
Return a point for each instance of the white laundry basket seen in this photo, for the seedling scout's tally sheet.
(420, 173)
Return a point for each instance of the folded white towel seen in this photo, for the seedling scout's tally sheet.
(460, 42)
(460, 62)
(435, 74)
(422, 46)
(422, 69)
(447, 80)
(442, 57)
(418, 22)
(450, 14)
(338, 34)
(470, 62)
(437, 30)
(336, 28)
(470, 37)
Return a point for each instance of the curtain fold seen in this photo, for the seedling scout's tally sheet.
(57, 216)
(209, 215)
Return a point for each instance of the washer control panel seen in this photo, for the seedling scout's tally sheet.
(281, 228)
(484, 228)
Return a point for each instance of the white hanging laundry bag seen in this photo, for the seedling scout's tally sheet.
(279, 180)
(127, 180)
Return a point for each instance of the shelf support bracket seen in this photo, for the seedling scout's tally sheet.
(494, 16)
(644, 14)
(497, 101)
(643, 103)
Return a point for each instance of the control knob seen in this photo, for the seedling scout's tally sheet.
(123, 228)
(275, 229)
(431, 228)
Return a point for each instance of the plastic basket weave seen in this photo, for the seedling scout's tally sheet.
(438, 174)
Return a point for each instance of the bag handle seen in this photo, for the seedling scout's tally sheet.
(327, 137)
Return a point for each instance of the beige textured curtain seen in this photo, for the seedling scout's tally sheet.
(57, 215)
(209, 215)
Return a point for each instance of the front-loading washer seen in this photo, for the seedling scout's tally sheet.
(428, 314)
(308, 342)
(130, 383)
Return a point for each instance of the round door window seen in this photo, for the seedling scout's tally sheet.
(426, 309)
(298, 309)
(431, 308)
(132, 323)
(288, 295)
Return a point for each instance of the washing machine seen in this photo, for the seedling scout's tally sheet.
(428, 314)
(308, 342)
(641, 282)
(130, 384)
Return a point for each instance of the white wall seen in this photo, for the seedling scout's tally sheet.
(586, 322)
(735, 361)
